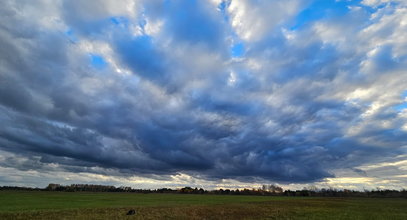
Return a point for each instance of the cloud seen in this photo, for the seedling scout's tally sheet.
(252, 20)
(171, 99)
(93, 17)
(142, 57)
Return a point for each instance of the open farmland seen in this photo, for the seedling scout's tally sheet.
(65, 205)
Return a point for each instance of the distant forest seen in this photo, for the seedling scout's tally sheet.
(265, 190)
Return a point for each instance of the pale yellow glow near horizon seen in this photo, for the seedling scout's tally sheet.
(402, 164)
(349, 180)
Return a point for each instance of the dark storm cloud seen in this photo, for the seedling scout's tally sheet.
(295, 107)
(142, 57)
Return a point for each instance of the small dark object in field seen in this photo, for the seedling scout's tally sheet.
(131, 212)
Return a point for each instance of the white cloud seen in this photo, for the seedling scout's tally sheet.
(252, 20)
(91, 10)
(376, 3)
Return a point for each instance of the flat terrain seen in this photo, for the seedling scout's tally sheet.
(65, 205)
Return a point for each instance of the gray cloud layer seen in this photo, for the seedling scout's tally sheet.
(299, 103)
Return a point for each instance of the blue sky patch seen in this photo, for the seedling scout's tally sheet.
(97, 61)
(322, 9)
(120, 21)
(222, 8)
(402, 106)
(71, 36)
(237, 50)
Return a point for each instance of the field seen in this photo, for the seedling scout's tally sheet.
(66, 205)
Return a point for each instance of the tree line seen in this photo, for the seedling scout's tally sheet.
(265, 190)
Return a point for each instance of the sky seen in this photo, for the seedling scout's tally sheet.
(204, 93)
